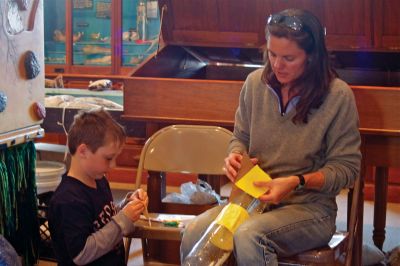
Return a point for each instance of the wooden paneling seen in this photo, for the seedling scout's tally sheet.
(383, 150)
(378, 107)
(178, 100)
(181, 101)
(53, 138)
(393, 194)
(348, 24)
(214, 22)
(125, 175)
(314, 6)
(387, 24)
(241, 23)
(129, 156)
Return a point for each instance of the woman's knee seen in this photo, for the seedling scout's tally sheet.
(244, 237)
(250, 249)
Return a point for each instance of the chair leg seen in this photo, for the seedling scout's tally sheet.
(145, 249)
(127, 243)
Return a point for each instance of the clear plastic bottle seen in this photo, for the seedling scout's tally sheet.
(215, 246)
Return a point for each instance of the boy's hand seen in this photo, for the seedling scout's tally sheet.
(133, 209)
(137, 203)
(140, 195)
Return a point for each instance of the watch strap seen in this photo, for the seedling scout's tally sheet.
(302, 183)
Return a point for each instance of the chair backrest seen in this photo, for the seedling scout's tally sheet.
(189, 149)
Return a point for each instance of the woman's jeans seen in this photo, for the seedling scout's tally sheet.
(280, 232)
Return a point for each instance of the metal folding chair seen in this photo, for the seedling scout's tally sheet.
(184, 149)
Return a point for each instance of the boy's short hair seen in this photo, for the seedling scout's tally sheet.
(94, 127)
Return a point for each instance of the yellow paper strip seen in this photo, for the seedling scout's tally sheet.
(246, 182)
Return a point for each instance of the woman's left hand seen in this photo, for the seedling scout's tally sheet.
(278, 188)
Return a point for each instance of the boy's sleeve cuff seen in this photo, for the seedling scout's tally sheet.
(126, 225)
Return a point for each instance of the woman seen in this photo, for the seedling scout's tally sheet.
(299, 123)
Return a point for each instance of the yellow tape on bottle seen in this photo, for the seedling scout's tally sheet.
(231, 217)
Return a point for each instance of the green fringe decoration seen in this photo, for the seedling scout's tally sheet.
(18, 200)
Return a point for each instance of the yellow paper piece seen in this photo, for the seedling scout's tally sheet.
(231, 217)
(246, 182)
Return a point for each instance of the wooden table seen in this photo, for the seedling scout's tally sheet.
(381, 148)
(379, 113)
(157, 229)
(160, 243)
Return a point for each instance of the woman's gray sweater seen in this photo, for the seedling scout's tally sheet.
(329, 142)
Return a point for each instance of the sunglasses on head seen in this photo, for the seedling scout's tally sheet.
(291, 22)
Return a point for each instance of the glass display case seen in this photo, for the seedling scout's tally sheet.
(99, 34)
(54, 32)
(91, 27)
(140, 30)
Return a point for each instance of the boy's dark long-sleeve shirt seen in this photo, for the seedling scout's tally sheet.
(85, 226)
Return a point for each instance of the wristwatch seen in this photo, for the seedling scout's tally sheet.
(302, 183)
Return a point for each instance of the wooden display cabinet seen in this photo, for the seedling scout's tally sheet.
(98, 37)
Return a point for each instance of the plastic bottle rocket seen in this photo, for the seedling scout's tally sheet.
(141, 20)
(215, 246)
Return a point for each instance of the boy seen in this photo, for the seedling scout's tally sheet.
(85, 225)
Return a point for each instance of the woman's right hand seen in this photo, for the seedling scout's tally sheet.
(232, 165)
